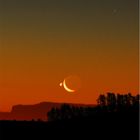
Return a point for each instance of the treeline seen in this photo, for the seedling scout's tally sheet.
(109, 103)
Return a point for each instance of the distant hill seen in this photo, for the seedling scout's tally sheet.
(32, 112)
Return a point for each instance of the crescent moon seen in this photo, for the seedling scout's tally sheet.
(66, 88)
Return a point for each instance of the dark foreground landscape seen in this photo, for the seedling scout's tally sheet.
(115, 117)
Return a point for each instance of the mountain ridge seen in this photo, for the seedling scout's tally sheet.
(34, 111)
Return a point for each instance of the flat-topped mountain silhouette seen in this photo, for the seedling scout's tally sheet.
(33, 112)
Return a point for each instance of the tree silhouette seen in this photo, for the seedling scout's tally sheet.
(53, 114)
(110, 102)
(101, 100)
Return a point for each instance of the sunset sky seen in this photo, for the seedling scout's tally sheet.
(44, 41)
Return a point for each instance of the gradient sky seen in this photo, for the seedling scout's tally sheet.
(44, 41)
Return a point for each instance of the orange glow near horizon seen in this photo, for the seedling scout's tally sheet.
(39, 47)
